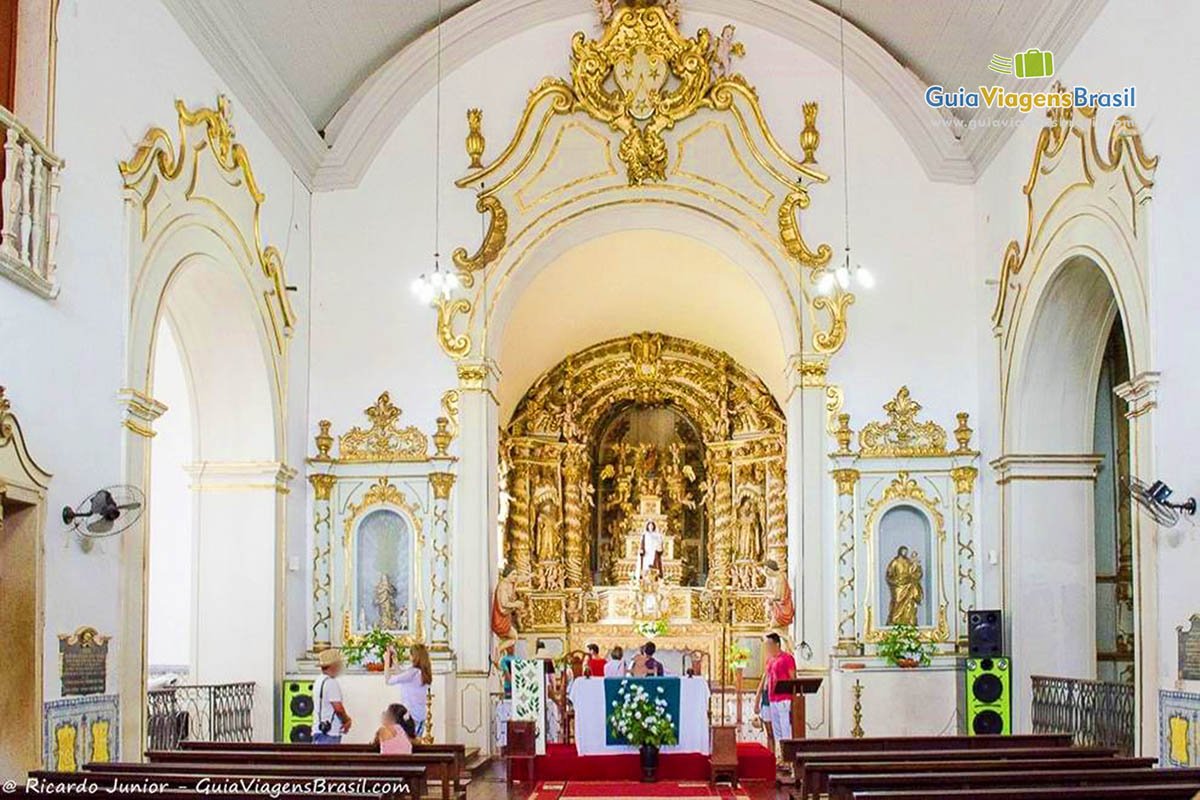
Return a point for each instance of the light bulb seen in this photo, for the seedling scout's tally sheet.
(842, 274)
(825, 283)
(418, 286)
(865, 279)
(451, 281)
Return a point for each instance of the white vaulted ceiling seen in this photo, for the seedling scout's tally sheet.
(308, 68)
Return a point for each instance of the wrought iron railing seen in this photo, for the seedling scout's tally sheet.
(211, 713)
(1096, 713)
(28, 207)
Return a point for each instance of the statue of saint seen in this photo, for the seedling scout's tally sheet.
(546, 538)
(385, 603)
(905, 579)
(748, 546)
(505, 605)
(781, 609)
(650, 555)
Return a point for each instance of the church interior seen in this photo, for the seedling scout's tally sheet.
(599, 398)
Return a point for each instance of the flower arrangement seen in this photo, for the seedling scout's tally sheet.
(903, 646)
(640, 718)
(651, 628)
(371, 647)
(738, 656)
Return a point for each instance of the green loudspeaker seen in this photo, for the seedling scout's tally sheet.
(297, 710)
(987, 696)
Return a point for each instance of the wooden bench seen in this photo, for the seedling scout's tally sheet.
(440, 766)
(414, 776)
(844, 787)
(792, 747)
(1160, 791)
(458, 750)
(813, 770)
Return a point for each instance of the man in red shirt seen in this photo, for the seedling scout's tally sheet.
(780, 667)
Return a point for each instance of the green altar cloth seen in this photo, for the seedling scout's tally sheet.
(658, 688)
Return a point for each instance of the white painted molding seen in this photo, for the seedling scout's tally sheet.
(361, 127)
(216, 29)
(1047, 467)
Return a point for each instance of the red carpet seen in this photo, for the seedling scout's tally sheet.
(563, 763)
(627, 790)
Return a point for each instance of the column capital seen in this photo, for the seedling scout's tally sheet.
(1140, 394)
(442, 483)
(322, 483)
(806, 371)
(480, 375)
(1047, 467)
(141, 410)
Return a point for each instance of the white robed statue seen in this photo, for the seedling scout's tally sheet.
(650, 555)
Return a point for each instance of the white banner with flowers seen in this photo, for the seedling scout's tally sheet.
(686, 722)
(529, 695)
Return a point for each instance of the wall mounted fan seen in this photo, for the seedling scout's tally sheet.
(1155, 500)
(106, 512)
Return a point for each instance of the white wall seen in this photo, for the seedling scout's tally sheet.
(121, 65)
(1164, 71)
(170, 601)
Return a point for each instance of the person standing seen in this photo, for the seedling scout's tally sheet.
(332, 719)
(413, 683)
(781, 666)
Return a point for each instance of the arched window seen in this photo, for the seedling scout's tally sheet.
(383, 594)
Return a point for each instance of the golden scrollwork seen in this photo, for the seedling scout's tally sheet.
(832, 338)
(789, 232)
(902, 436)
(450, 401)
(84, 636)
(493, 240)
(156, 151)
(385, 440)
(455, 345)
(835, 399)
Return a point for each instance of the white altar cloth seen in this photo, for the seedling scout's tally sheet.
(587, 695)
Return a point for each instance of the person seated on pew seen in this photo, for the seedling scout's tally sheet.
(395, 736)
(615, 667)
(332, 719)
(594, 666)
(780, 666)
(413, 682)
(650, 667)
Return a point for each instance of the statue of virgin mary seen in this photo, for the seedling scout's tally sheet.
(650, 555)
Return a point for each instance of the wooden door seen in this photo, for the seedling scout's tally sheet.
(20, 673)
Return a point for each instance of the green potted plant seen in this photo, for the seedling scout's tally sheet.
(368, 649)
(738, 658)
(903, 646)
(642, 719)
(651, 628)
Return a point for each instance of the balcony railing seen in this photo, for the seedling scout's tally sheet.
(211, 713)
(29, 198)
(1096, 713)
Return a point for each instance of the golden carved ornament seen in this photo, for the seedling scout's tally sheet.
(812, 372)
(846, 480)
(493, 240)
(1124, 151)
(810, 137)
(324, 441)
(442, 483)
(964, 479)
(831, 340)
(835, 398)
(450, 400)
(384, 493)
(442, 438)
(322, 485)
(85, 636)
(156, 151)
(455, 345)
(384, 440)
(902, 436)
(475, 141)
(843, 434)
(962, 434)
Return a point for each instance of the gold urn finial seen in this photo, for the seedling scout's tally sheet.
(843, 434)
(441, 439)
(324, 441)
(810, 137)
(962, 434)
(475, 141)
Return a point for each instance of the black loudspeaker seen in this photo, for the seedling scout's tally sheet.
(986, 699)
(985, 634)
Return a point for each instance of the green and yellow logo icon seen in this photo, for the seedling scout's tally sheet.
(1032, 63)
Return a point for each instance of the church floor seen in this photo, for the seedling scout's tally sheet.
(490, 785)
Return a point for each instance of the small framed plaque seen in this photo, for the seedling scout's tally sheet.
(84, 657)
(1189, 649)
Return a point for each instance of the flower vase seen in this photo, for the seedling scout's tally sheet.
(908, 663)
(649, 755)
(374, 666)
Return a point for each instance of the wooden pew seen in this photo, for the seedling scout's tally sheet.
(844, 787)
(459, 750)
(1160, 791)
(415, 776)
(813, 770)
(440, 766)
(792, 747)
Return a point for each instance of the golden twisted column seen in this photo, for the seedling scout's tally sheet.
(574, 473)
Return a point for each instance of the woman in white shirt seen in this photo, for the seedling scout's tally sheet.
(413, 683)
(615, 667)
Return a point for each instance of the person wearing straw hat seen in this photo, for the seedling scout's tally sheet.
(332, 720)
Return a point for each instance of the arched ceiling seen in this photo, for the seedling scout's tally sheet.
(305, 68)
(683, 288)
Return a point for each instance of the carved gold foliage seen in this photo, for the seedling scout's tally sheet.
(385, 440)
(1124, 151)
(832, 338)
(493, 240)
(455, 345)
(902, 436)
(789, 231)
(156, 152)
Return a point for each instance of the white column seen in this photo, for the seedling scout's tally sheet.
(322, 595)
(440, 613)
(239, 511)
(1050, 571)
(473, 548)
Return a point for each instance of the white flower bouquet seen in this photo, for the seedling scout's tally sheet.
(641, 717)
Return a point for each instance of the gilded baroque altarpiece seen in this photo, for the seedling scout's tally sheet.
(905, 528)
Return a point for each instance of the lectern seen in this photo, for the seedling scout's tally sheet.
(797, 688)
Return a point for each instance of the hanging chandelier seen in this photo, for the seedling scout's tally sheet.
(437, 286)
(848, 273)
